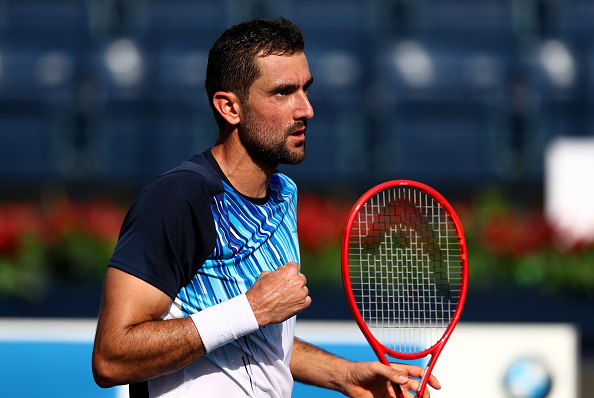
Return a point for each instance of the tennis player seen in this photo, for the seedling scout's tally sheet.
(202, 290)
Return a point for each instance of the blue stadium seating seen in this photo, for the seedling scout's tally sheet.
(181, 16)
(576, 18)
(486, 18)
(331, 15)
(442, 68)
(27, 153)
(45, 16)
(129, 143)
(183, 131)
(558, 96)
(41, 55)
(439, 99)
(37, 69)
(369, 116)
(431, 141)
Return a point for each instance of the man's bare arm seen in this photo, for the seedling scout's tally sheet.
(133, 344)
(312, 365)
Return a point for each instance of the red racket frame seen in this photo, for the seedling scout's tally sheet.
(380, 350)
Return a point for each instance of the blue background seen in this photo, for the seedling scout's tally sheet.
(58, 369)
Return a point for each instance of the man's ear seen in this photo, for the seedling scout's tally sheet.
(228, 105)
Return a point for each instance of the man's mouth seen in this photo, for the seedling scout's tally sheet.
(298, 128)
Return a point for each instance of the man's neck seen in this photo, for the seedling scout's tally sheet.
(246, 176)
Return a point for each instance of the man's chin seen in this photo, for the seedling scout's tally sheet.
(295, 157)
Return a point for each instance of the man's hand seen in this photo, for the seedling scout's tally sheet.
(373, 380)
(277, 296)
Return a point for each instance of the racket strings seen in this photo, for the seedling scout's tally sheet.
(404, 266)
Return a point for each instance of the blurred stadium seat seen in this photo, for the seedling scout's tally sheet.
(556, 71)
(27, 144)
(183, 131)
(460, 17)
(153, 112)
(442, 68)
(437, 142)
(331, 15)
(440, 101)
(576, 18)
(392, 77)
(32, 16)
(42, 47)
(179, 37)
(181, 15)
(38, 69)
(142, 139)
(128, 141)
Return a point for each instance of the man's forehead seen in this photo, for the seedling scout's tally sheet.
(284, 66)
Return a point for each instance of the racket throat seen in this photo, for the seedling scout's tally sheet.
(426, 375)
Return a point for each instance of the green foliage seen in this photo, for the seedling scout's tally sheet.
(25, 273)
(514, 247)
(322, 267)
(507, 246)
(41, 243)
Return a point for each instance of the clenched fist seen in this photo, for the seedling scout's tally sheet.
(277, 296)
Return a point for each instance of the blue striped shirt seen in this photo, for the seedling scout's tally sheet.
(238, 239)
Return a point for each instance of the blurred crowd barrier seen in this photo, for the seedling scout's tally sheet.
(449, 92)
(495, 360)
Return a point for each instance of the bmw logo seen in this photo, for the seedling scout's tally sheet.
(527, 378)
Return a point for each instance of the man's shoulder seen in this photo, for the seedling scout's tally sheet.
(197, 172)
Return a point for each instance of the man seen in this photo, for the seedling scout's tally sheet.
(203, 287)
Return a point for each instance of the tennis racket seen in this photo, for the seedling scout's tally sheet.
(405, 271)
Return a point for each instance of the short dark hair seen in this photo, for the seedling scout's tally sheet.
(232, 58)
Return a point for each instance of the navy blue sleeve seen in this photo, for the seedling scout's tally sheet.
(168, 232)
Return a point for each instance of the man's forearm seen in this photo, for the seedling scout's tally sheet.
(146, 351)
(312, 365)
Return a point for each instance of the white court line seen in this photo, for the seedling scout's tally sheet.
(48, 330)
(330, 332)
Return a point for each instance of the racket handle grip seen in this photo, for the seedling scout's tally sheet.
(397, 390)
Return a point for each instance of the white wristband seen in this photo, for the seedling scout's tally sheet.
(225, 322)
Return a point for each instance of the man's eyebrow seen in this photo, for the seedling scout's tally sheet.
(284, 87)
(290, 86)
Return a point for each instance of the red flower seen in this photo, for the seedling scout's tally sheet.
(103, 220)
(16, 222)
(97, 218)
(320, 221)
(516, 234)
